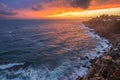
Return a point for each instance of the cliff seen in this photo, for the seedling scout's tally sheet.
(107, 66)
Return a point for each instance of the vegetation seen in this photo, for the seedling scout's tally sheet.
(106, 26)
(106, 67)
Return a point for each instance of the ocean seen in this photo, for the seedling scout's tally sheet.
(47, 49)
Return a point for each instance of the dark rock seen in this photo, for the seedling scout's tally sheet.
(79, 78)
(107, 66)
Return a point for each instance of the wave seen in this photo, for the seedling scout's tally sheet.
(70, 67)
(5, 66)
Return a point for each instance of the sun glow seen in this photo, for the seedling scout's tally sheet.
(87, 13)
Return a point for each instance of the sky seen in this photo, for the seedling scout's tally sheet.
(44, 9)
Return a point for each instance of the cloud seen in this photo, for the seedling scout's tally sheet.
(103, 0)
(47, 4)
(80, 3)
(4, 10)
(99, 2)
(37, 7)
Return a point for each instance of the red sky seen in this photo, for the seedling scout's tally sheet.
(37, 9)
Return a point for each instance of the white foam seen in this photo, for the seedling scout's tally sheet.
(68, 70)
(10, 65)
(102, 43)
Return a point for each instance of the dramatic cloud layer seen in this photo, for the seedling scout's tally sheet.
(4, 10)
(81, 3)
(48, 4)
(37, 7)
(43, 8)
(62, 3)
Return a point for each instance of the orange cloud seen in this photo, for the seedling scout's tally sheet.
(66, 8)
(87, 13)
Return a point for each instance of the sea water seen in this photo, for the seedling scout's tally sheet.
(47, 49)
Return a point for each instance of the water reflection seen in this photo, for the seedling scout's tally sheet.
(52, 48)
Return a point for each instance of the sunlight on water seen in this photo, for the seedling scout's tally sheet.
(47, 50)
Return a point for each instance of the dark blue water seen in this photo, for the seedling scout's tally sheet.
(46, 49)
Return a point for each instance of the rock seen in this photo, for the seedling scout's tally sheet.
(92, 78)
(106, 67)
(97, 61)
(79, 78)
(92, 61)
(115, 49)
(117, 61)
(107, 58)
(96, 75)
(97, 78)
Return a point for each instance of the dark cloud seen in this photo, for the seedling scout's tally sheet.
(4, 10)
(37, 7)
(102, 1)
(80, 3)
(7, 12)
(47, 4)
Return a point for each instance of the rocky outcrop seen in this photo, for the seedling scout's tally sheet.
(106, 26)
(107, 66)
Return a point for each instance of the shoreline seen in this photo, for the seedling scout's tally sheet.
(106, 26)
(107, 66)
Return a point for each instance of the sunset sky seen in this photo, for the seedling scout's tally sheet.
(40, 9)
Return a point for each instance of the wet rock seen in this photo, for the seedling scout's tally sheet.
(85, 58)
(106, 58)
(97, 75)
(97, 78)
(79, 78)
(105, 67)
(92, 61)
(118, 61)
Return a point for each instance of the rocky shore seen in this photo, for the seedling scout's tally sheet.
(107, 66)
(106, 26)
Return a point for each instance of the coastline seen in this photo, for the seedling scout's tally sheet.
(106, 27)
(107, 66)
